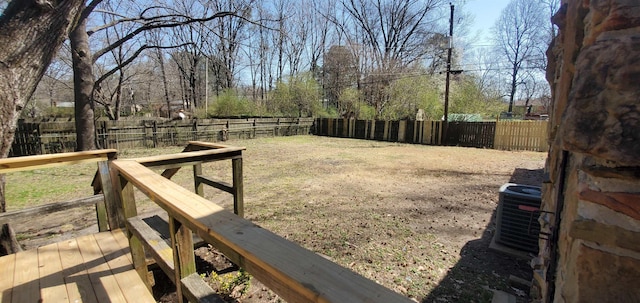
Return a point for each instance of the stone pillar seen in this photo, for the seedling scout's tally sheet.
(592, 194)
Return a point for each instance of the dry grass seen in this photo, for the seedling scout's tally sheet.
(416, 219)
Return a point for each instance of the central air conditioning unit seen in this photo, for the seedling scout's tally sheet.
(517, 217)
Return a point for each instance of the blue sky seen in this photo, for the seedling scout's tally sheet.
(485, 12)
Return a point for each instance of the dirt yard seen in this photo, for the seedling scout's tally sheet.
(416, 219)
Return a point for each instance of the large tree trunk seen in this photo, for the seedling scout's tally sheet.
(83, 82)
(30, 34)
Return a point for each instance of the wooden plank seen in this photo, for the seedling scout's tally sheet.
(196, 290)
(133, 288)
(221, 185)
(102, 280)
(157, 247)
(49, 208)
(52, 286)
(210, 145)
(123, 242)
(170, 172)
(75, 275)
(8, 165)
(190, 158)
(26, 279)
(293, 272)
(7, 267)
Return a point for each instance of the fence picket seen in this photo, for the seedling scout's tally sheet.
(53, 137)
(507, 135)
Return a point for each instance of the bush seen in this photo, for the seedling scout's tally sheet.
(228, 104)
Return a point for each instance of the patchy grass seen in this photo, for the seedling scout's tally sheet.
(417, 219)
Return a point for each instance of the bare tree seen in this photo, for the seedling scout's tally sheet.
(392, 35)
(148, 18)
(520, 38)
(30, 34)
(229, 31)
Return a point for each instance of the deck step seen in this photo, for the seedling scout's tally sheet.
(160, 224)
(196, 290)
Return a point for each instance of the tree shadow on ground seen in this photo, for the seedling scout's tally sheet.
(480, 269)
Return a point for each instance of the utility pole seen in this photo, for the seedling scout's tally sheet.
(445, 125)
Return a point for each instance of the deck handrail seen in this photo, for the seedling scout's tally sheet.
(291, 271)
(8, 165)
(16, 164)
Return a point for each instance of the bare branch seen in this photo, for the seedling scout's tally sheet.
(130, 59)
(150, 26)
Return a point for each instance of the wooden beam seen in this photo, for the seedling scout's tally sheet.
(49, 208)
(192, 146)
(200, 145)
(293, 272)
(221, 185)
(9, 165)
(190, 158)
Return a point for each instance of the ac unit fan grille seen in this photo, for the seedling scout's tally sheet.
(518, 228)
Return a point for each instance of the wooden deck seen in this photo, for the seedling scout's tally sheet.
(92, 268)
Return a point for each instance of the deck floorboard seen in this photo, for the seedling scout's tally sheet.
(91, 268)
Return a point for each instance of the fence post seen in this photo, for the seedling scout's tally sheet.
(154, 130)
(373, 129)
(195, 129)
(402, 131)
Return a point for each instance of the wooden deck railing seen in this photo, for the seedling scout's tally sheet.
(291, 271)
(9, 165)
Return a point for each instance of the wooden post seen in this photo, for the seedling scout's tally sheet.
(183, 255)
(197, 172)
(128, 200)
(112, 204)
(238, 188)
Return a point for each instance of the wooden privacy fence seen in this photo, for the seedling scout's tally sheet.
(505, 135)
(33, 138)
(522, 135)
(419, 132)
